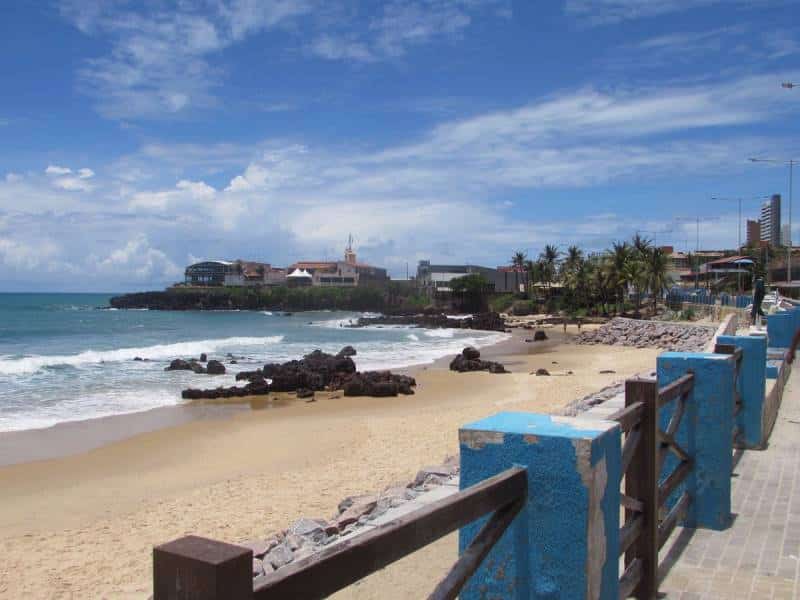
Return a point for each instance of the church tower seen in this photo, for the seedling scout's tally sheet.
(349, 254)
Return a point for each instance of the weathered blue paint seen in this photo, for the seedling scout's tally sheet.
(565, 542)
(773, 368)
(705, 433)
(752, 379)
(776, 353)
(781, 328)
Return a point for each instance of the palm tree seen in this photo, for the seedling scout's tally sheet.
(573, 259)
(548, 259)
(518, 262)
(641, 246)
(620, 255)
(635, 274)
(658, 279)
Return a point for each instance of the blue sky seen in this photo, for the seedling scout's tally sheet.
(136, 137)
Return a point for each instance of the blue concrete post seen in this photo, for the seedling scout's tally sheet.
(705, 433)
(565, 541)
(780, 329)
(751, 384)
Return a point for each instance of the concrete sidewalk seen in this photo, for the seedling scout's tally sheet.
(758, 557)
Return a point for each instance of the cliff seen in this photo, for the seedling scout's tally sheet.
(273, 298)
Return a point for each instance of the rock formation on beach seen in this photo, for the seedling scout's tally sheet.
(489, 321)
(315, 372)
(470, 360)
(213, 367)
(649, 334)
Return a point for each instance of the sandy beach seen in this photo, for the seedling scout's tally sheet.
(83, 525)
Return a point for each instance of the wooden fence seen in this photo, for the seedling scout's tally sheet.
(203, 569)
(644, 452)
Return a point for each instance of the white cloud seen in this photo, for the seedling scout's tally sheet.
(24, 256)
(401, 25)
(158, 62)
(602, 12)
(72, 181)
(54, 170)
(13, 177)
(138, 260)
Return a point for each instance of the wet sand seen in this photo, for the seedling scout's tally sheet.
(83, 525)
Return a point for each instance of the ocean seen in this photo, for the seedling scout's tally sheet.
(68, 357)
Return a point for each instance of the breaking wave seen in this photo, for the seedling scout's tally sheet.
(10, 365)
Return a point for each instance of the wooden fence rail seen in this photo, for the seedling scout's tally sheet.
(644, 453)
(179, 566)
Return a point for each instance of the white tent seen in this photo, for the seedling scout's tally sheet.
(297, 273)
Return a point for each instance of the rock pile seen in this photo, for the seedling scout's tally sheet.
(489, 321)
(214, 367)
(649, 334)
(315, 372)
(307, 536)
(470, 360)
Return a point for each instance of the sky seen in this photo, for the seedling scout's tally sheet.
(137, 137)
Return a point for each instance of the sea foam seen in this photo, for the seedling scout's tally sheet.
(10, 365)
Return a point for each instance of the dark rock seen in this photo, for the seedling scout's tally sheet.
(607, 371)
(138, 358)
(489, 321)
(192, 394)
(179, 365)
(470, 353)
(346, 351)
(215, 368)
(539, 336)
(462, 364)
(233, 361)
(305, 393)
(203, 357)
(540, 372)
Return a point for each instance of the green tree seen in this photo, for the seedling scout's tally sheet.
(471, 291)
(518, 262)
(658, 279)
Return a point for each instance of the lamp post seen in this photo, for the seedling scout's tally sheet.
(791, 162)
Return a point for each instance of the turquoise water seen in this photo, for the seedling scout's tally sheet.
(67, 357)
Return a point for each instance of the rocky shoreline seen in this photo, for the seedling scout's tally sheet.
(315, 372)
(488, 321)
(649, 334)
(307, 536)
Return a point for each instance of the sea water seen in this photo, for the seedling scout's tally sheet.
(66, 357)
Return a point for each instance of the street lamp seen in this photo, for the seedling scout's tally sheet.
(791, 162)
(697, 238)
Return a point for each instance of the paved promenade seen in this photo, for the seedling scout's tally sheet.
(759, 556)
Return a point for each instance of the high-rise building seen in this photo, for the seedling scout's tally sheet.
(753, 232)
(786, 235)
(770, 220)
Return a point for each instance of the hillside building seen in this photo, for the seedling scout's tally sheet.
(233, 273)
(753, 232)
(435, 279)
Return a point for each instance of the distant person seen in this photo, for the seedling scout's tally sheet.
(758, 298)
(565, 326)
